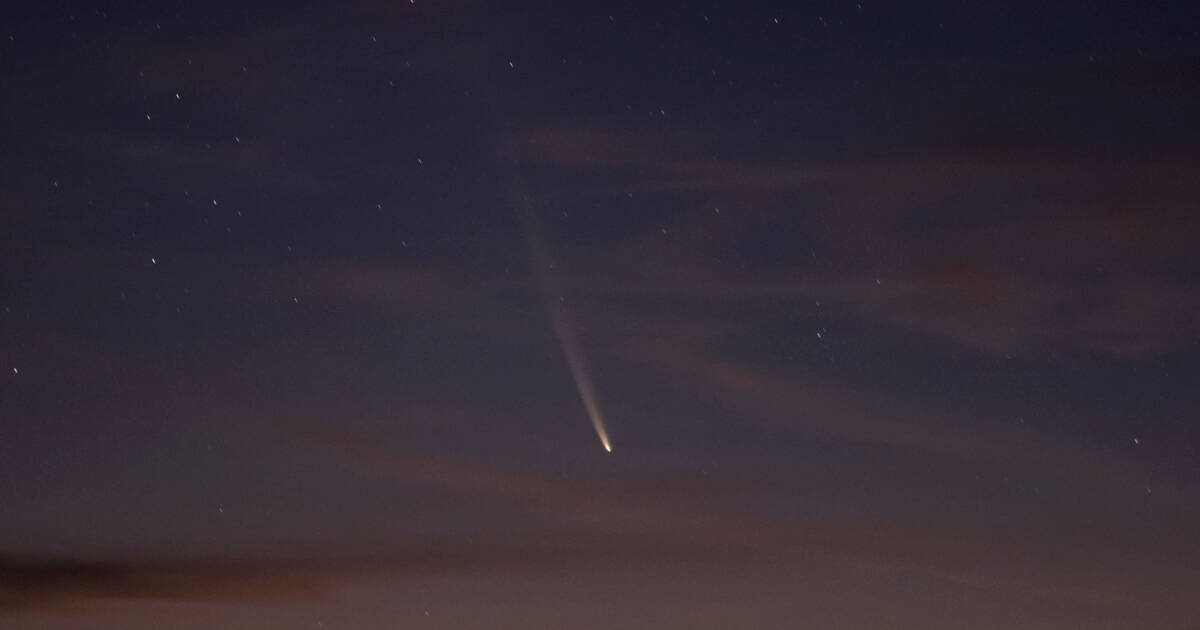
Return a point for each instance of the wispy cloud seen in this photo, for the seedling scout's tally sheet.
(682, 520)
(971, 248)
(48, 584)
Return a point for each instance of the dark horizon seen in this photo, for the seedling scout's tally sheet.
(891, 314)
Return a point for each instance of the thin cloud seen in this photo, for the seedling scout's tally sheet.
(966, 247)
(45, 584)
(681, 520)
(856, 416)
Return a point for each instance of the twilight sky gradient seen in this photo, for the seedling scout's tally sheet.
(892, 310)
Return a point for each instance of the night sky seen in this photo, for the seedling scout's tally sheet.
(320, 315)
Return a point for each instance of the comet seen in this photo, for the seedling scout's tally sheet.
(579, 372)
(560, 321)
(564, 331)
(567, 340)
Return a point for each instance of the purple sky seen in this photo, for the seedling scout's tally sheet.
(892, 313)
